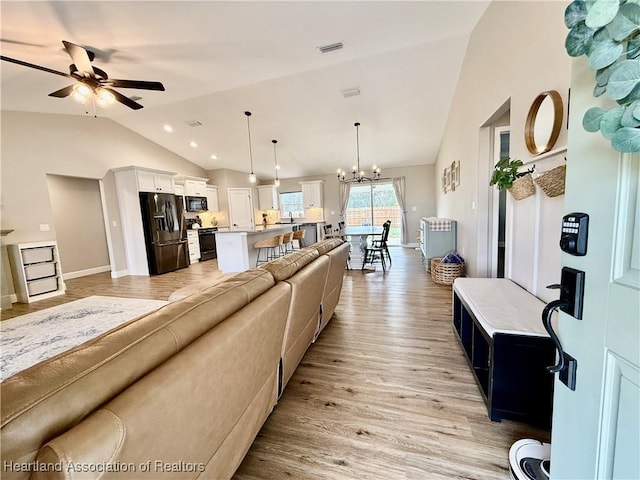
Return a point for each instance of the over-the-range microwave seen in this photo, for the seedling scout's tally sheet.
(196, 204)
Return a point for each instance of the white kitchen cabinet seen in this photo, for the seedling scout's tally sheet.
(194, 246)
(154, 181)
(268, 197)
(178, 191)
(212, 199)
(36, 270)
(195, 187)
(312, 194)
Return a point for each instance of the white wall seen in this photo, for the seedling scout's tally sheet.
(34, 145)
(515, 53)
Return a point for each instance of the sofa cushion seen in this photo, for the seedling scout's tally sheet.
(284, 267)
(47, 399)
(198, 287)
(324, 246)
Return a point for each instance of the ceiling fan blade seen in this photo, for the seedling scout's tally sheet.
(140, 84)
(63, 92)
(31, 65)
(124, 100)
(80, 57)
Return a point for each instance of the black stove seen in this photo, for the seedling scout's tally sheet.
(207, 239)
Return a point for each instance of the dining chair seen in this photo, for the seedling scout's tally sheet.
(377, 249)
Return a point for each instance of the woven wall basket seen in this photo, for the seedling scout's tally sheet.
(552, 181)
(523, 187)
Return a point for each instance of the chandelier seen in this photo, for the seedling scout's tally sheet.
(357, 175)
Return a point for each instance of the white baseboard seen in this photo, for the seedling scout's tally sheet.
(410, 245)
(119, 273)
(84, 273)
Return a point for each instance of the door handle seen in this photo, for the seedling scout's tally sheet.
(567, 365)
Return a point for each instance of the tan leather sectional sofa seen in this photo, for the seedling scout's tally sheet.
(180, 392)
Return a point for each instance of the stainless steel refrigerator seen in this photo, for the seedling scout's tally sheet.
(164, 232)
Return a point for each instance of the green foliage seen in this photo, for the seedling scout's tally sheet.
(608, 32)
(505, 172)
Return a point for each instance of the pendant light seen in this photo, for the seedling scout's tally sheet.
(276, 182)
(357, 175)
(252, 176)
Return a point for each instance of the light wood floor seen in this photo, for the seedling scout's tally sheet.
(385, 392)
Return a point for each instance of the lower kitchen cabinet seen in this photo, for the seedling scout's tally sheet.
(194, 246)
(36, 271)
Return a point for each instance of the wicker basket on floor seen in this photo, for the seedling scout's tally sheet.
(523, 187)
(552, 181)
(445, 273)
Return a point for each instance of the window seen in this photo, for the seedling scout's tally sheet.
(377, 200)
(291, 203)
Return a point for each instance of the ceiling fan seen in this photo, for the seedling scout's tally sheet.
(91, 80)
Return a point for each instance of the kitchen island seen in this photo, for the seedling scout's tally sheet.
(235, 247)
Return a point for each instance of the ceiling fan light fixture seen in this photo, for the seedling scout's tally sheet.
(81, 92)
(104, 97)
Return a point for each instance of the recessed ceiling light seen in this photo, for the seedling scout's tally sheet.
(168, 128)
(214, 157)
(194, 144)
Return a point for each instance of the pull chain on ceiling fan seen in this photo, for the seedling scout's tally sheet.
(91, 80)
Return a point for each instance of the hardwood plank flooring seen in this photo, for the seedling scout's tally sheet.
(385, 392)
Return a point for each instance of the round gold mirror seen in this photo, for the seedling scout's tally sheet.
(544, 122)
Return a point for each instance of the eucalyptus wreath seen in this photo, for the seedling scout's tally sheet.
(608, 32)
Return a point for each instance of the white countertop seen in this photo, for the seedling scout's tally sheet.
(259, 228)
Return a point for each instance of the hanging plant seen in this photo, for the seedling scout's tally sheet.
(608, 32)
(506, 172)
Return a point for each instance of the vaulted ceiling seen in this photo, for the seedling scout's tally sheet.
(219, 59)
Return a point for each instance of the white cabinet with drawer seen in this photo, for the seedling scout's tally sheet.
(194, 246)
(36, 271)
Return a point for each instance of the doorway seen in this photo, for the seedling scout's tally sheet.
(80, 231)
(498, 243)
(374, 204)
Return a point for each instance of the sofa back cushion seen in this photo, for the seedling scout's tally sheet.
(284, 267)
(331, 293)
(47, 399)
(201, 408)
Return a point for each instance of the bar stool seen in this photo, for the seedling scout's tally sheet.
(287, 243)
(298, 235)
(271, 246)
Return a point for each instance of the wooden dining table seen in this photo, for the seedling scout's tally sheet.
(357, 236)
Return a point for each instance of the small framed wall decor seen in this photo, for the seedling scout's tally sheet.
(451, 177)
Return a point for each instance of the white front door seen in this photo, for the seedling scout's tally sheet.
(596, 428)
(241, 215)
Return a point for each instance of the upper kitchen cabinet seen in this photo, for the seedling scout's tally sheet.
(154, 180)
(312, 194)
(195, 187)
(212, 199)
(268, 197)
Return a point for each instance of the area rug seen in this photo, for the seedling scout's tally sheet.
(34, 337)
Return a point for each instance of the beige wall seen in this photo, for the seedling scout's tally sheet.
(515, 52)
(34, 145)
(80, 232)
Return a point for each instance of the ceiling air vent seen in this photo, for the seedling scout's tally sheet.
(331, 48)
(193, 123)
(351, 92)
(135, 98)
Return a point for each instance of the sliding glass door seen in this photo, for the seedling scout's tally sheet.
(374, 204)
